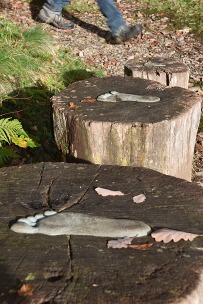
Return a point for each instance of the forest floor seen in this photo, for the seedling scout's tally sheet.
(86, 41)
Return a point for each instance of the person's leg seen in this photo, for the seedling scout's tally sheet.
(55, 5)
(113, 16)
(51, 13)
(119, 29)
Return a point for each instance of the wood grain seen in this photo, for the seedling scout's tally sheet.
(82, 269)
(167, 71)
(159, 136)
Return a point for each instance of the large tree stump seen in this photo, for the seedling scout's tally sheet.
(81, 269)
(167, 71)
(159, 135)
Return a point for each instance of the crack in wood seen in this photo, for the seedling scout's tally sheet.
(158, 269)
(41, 174)
(19, 263)
(47, 200)
(79, 199)
(168, 78)
(91, 182)
(69, 275)
(70, 279)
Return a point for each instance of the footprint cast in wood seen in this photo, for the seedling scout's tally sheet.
(81, 268)
(53, 223)
(133, 122)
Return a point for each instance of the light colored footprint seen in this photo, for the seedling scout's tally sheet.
(114, 96)
(69, 223)
(29, 224)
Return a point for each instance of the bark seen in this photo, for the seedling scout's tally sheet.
(159, 136)
(167, 71)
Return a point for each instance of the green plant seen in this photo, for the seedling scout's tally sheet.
(82, 6)
(180, 12)
(30, 57)
(5, 154)
(11, 131)
(32, 70)
(22, 56)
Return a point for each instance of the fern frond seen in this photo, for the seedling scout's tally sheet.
(10, 129)
(6, 153)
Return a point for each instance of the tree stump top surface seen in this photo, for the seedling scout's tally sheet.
(174, 101)
(82, 269)
(167, 65)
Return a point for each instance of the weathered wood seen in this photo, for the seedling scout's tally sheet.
(167, 71)
(159, 135)
(83, 269)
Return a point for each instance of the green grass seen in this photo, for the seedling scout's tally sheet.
(82, 6)
(32, 70)
(29, 57)
(182, 13)
(22, 56)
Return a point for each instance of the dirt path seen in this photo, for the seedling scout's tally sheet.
(87, 42)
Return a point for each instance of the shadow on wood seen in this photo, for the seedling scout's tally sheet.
(82, 269)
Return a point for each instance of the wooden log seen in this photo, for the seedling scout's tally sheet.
(167, 71)
(81, 269)
(159, 135)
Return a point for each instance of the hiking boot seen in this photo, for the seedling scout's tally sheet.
(125, 33)
(55, 19)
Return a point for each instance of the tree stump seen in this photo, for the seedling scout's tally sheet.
(167, 71)
(159, 135)
(81, 269)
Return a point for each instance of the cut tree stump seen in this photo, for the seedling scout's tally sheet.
(159, 135)
(81, 269)
(167, 71)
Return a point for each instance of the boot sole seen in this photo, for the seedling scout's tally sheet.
(118, 40)
(43, 19)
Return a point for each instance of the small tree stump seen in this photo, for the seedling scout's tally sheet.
(159, 135)
(81, 269)
(167, 71)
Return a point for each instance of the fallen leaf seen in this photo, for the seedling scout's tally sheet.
(183, 31)
(168, 235)
(141, 246)
(200, 93)
(120, 243)
(106, 192)
(198, 147)
(199, 139)
(139, 198)
(139, 15)
(25, 290)
(88, 100)
(31, 276)
(72, 105)
(131, 57)
(164, 19)
(17, 5)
